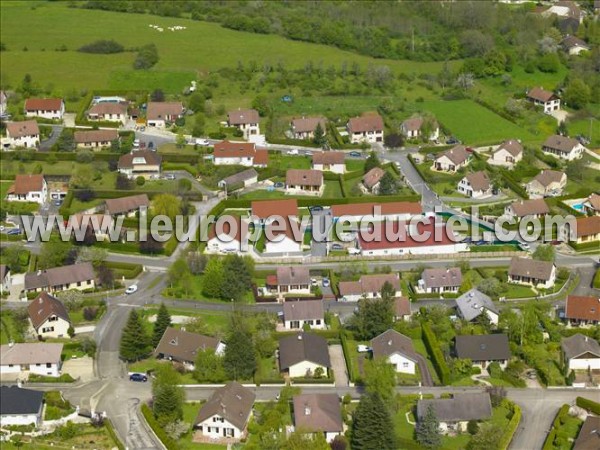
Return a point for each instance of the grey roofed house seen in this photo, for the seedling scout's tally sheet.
(459, 408)
(570, 42)
(531, 268)
(483, 347)
(578, 345)
(233, 402)
(470, 304)
(479, 181)
(184, 346)
(589, 435)
(562, 144)
(457, 154)
(293, 276)
(30, 353)
(303, 310)
(242, 116)
(318, 412)
(240, 177)
(437, 278)
(512, 146)
(59, 276)
(125, 205)
(547, 177)
(303, 347)
(19, 401)
(390, 342)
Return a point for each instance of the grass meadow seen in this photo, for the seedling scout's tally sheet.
(213, 47)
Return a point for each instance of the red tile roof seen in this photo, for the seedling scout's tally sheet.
(365, 123)
(91, 136)
(328, 158)
(582, 308)
(43, 104)
(406, 239)
(228, 149)
(588, 226)
(266, 208)
(20, 129)
(243, 116)
(27, 183)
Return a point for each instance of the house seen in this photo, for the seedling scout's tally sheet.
(582, 310)
(232, 238)
(473, 304)
(547, 183)
(20, 406)
(400, 238)
(36, 358)
(456, 412)
(372, 179)
(183, 347)
(564, 10)
(563, 147)
(580, 352)
(77, 276)
(304, 181)
(283, 237)
(48, 316)
(588, 230)
(591, 205)
(101, 225)
(226, 413)
(305, 127)
(589, 434)
(292, 280)
(507, 154)
(440, 281)
(402, 309)
(483, 349)
(264, 211)
(47, 108)
(140, 163)
(538, 274)
(297, 314)
(397, 350)
(356, 212)
(546, 99)
(28, 188)
(452, 160)
(301, 354)
(228, 153)
(5, 279)
(475, 185)
(411, 129)
(527, 208)
(108, 112)
(126, 206)
(23, 134)
(238, 180)
(329, 161)
(368, 286)
(574, 46)
(161, 114)
(245, 120)
(95, 138)
(318, 413)
(367, 128)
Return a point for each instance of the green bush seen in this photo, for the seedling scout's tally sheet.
(437, 357)
(64, 378)
(347, 355)
(169, 443)
(510, 429)
(597, 279)
(590, 405)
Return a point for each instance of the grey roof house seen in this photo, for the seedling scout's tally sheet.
(483, 349)
(183, 346)
(302, 352)
(440, 280)
(459, 408)
(473, 303)
(77, 276)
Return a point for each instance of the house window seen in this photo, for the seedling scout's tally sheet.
(48, 365)
(405, 364)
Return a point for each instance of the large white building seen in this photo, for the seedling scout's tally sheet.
(22, 134)
(31, 358)
(28, 188)
(47, 108)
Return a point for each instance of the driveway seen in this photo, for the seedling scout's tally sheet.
(48, 143)
(338, 364)
(426, 379)
(82, 368)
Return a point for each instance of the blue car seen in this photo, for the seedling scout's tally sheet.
(139, 377)
(14, 231)
(355, 154)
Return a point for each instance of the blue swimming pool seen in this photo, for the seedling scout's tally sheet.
(577, 206)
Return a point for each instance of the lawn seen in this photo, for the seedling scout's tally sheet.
(460, 117)
(215, 321)
(177, 65)
(4, 186)
(190, 411)
(87, 436)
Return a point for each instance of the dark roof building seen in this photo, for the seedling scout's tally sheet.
(459, 408)
(390, 342)
(318, 413)
(442, 278)
(233, 402)
(303, 310)
(589, 435)
(17, 401)
(242, 117)
(303, 347)
(293, 276)
(530, 268)
(183, 346)
(59, 277)
(483, 347)
(580, 345)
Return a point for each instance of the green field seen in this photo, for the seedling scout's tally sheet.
(201, 48)
(475, 125)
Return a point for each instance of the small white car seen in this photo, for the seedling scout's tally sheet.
(353, 251)
(363, 348)
(293, 152)
(202, 142)
(131, 289)
(314, 282)
(136, 143)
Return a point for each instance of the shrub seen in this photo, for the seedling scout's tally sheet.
(590, 405)
(85, 195)
(146, 58)
(140, 181)
(437, 357)
(90, 313)
(102, 46)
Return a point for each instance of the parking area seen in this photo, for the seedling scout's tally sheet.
(82, 368)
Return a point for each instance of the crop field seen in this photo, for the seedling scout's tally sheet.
(473, 124)
(214, 47)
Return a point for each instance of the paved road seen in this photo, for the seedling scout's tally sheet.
(48, 143)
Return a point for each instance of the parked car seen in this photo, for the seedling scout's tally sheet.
(139, 377)
(131, 289)
(315, 208)
(202, 142)
(151, 144)
(14, 231)
(326, 282)
(279, 184)
(353, 251)
(57, 202)
(452, 141)
(314, 282)
(294, 151)
(525, 246)
(169, 176)
(136, 143)
(308, 152)
(337, 247)
(355, 154)
(361, 348)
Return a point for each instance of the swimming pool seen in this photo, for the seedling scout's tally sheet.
(577, 206)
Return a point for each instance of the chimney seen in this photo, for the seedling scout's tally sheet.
(390, 342)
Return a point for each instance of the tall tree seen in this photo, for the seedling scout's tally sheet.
(213, 278)
(134, 342)
(54, 253)
(380, 378)
(372, 426)
(544, 253)
(237, 277)
(163, 321)
(374, 316)
(319, 137)
(167, 395)
(239, 360)
(388, 184)
(208, 367)
(372, 161)
(428, 430)
(166, 205)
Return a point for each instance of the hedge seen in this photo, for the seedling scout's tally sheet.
(298, 142)
(111, 431)
(127, 270)
(64, 378)
(169, 443)
(347, 355)
(597, 280)
(558, 421)
(437, 358)
(510, 429)
(513, 184)
(590, 405)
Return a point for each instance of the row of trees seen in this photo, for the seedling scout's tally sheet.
(136, 343)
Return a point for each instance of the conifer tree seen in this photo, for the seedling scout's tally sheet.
(163, 321)
(428, 430)
(372, 425)
(134, 342)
